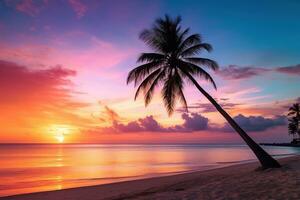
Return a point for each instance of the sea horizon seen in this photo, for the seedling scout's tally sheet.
(137, 143)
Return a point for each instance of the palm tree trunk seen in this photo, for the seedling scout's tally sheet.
(265, 159)
(298, 121)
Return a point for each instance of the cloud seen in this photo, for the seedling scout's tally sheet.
(291, 70)
(96, 53)
(34, 98)
(18, 83)
(194, 122)
(235, 72)
(208, 107)
(256, 123)
(28, 7)
(191, 122)
(147, 124)
(79, 8)
(108, 115)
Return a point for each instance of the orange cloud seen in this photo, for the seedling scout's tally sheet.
(32, 100)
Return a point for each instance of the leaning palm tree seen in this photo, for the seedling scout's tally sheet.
(172, 63)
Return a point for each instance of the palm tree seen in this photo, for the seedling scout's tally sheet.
(172, 63)
(294, 114)
(292, 127)
(295, 110)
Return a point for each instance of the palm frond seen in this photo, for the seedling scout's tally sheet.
(138, 74)
(291, 112)
(172, 89)
(194, 50)
(204, 62)
(149, 94)
(150, 57)
(182, 35)
(168, 94)
(153, 40)
(189, 41)
(146, 83)
(195, 70)
(182, 98)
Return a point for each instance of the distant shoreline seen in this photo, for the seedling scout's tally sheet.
(280, 144)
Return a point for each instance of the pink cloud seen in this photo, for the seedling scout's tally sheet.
(79, 8)
(28, 7)
(62, 50)
(21, 85)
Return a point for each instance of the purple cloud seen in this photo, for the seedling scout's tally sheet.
(147, 124)
(236, 72)
(150, 124)
(28, 7)
(79, 8)
(256, 123)
(208, 107)
(130, 127)
(291, 70)
(193, 122)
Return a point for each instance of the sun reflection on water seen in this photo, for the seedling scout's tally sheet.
(55, 167)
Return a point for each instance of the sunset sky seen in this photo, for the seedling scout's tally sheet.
(63, 68)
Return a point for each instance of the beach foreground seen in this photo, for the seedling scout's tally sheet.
(234, 182)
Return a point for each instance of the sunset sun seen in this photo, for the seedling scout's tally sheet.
(60, 138)
(60, 131)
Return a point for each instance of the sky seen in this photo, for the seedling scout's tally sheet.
(63, 68)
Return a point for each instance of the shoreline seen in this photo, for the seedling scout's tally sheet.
(205, 184)
(280, 144)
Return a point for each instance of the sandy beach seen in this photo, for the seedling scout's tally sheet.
(241, 181)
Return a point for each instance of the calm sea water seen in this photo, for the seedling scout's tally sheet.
(32, 168)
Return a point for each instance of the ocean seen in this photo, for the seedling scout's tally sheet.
(26, 168)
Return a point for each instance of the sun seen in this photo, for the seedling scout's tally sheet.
(60, 131)
(60, 138)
